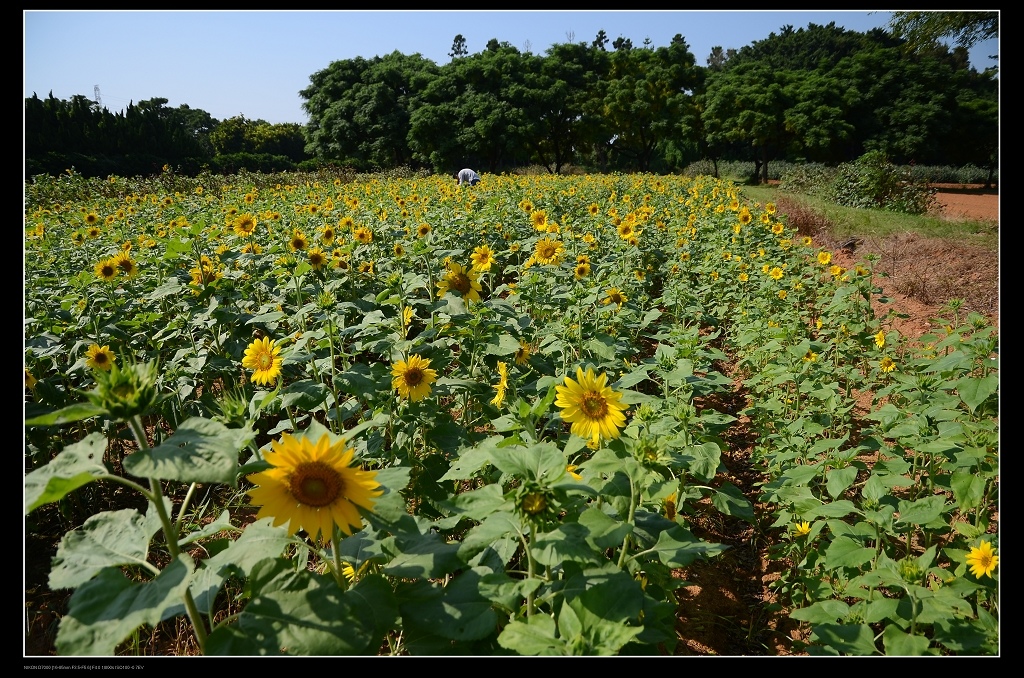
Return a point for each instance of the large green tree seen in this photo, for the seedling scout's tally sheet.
(360, 109)
(747, 104)
(644, 97)
(558, 103)
(471, 114)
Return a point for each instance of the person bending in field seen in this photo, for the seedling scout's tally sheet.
(467, 176)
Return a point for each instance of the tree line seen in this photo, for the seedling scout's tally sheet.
(817, 94)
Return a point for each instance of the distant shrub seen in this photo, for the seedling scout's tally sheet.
(807, 178)
(871, 181)
(700, 168)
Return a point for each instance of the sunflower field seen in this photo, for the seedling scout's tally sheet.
(395, 416)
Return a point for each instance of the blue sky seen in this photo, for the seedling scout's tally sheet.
(254, 63)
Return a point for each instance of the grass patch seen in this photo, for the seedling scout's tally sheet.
(810, 214)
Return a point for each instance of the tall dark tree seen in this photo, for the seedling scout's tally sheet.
(747, 104)
(717, 58)
(459, 48)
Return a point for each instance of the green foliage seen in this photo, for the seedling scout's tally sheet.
(926, 28)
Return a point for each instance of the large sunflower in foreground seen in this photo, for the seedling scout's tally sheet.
(591, 406)
(413, 378)
(465, 281)
(312, 487)
(263, 357)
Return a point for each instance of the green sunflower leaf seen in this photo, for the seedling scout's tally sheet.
(76, 465)
(106, 539)
(201, 451)
(106, 609)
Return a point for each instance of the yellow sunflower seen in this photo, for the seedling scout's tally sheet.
(312, 487)
(982, 559)
(327, 235)
(614, 296)
(412, 378)
(539, 219)
(317, 258)
(482, 258)
(548, 251)
(126, 264)
(363, 235)
(459, 279)
(501, 386)
(298, 241)
(244, 225)
(423, 230)
(99, 357)
(523, 353)
(591, 406)
(106, 269)
(263, 357)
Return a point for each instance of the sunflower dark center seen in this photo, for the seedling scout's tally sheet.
(460, 281)
(594, 405)
(315, 483)
(546, 251)
(413, 376)
(265, 360)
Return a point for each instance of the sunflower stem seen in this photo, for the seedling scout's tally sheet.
(336, 559)
(170, 536)
(632, 515)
